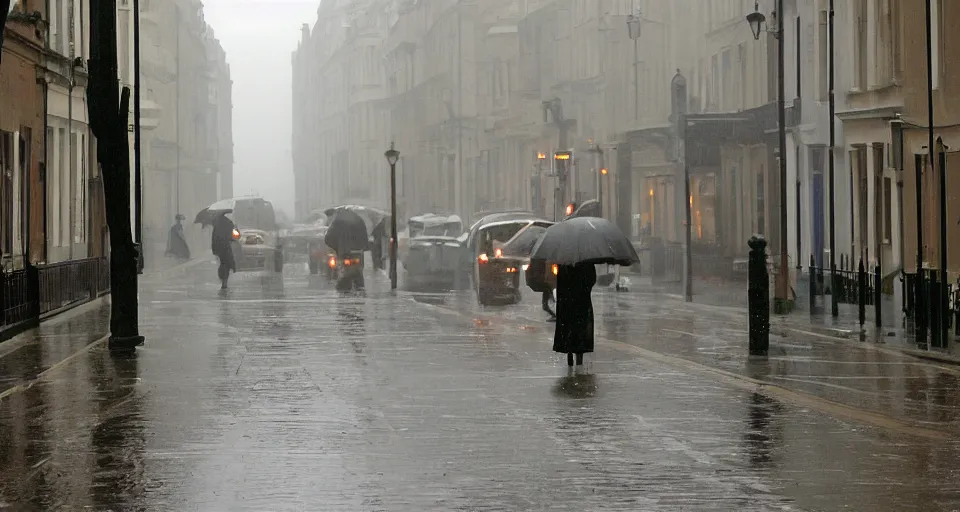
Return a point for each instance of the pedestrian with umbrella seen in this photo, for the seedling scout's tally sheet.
(576, 246)
(221, 243)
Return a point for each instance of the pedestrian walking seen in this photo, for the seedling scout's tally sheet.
(574, 329)
(222, 246)
(177, 242)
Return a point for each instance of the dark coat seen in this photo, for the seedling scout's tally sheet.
(222, 241)
(574, 330)
(177, 243)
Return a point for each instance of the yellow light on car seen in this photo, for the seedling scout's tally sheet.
(511, 270)
(498, 253)
(555, 269)
(483, 258)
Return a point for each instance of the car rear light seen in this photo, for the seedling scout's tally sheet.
(555, 269)
(483, 258)
(498, 253)
(332, 262)
(511, 270)
(525, 267)
(354, 261)
(236, 234)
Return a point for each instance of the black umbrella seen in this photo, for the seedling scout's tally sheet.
(347, 232)
(207, 215)
(585, 240)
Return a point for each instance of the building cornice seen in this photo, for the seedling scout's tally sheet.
(888, 112)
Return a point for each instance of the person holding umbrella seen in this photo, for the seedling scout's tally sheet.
(221, 244)
(576, 246)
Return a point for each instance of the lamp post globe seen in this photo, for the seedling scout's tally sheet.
(392, 155)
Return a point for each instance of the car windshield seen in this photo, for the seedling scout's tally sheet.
(493, 237)
(254, 214)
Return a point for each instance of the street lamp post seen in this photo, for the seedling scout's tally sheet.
(601, 172)
(633, 28)
(392, 156)
(834, 307)
(756, 21)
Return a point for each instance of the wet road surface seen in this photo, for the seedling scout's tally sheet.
(285, 395)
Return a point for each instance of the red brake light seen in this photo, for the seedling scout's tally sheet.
(236, 234)
(511, 270)
(332, 262)
(483, 258)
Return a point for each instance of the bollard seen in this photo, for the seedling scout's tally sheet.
(862, 293)
(278, 259)
(758, 297)
(877, 290)
(813, 286)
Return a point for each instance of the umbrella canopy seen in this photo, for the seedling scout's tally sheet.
(371, 216)
(585, 240)
(347, 232)
(588, 208)
(207, 216)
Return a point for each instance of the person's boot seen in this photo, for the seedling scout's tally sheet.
(570, 359)
(580, 359)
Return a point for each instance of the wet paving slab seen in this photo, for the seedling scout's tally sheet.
(284, 395)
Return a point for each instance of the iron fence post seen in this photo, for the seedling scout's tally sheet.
(758, 297)
(862, 293)
(933, 293)
(877, 309)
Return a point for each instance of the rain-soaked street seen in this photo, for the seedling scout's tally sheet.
(285, 395)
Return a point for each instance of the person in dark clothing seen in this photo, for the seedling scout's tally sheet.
(574, 331)
(379, 233)
(222, 246)
(177, 242)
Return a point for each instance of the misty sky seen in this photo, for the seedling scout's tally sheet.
(259, 36)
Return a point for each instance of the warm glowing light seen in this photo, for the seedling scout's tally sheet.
(332, 262)
(603, 171)
(570, 209)
(525, 267)
(541, 156)
(651, 192)
(483, 258)
(555, 269)
(691, 201)
(561, 156)
(511, 270)
(498, 253)
(235, 234)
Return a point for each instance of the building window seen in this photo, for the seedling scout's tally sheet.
(823, 56)
(888, 210)
(860, 44)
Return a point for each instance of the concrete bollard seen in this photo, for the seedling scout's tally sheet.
(758, 297)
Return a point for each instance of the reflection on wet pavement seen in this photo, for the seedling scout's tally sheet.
(285, 395)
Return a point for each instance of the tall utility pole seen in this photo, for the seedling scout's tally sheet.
(834, 307)
(137, 165)
(782, 296)
(177, 10)
(108, 122)
(458, 181)
(931, 152)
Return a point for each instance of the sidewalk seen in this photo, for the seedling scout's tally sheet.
(892, 334)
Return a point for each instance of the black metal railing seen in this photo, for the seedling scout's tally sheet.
(41, 291)
(855, 284)
(925, 288)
